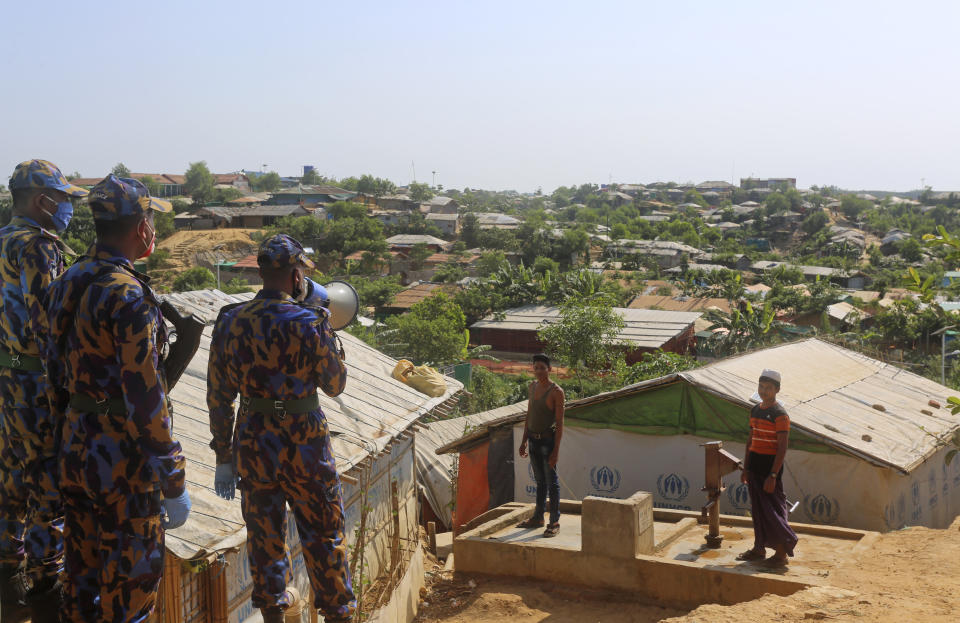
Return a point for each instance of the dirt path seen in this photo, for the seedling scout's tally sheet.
(911, 575)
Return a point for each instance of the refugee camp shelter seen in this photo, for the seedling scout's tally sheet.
(207, 577)
(437, 471)
(866, 445)
(514, 331)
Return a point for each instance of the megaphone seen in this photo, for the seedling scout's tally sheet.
(344, 304)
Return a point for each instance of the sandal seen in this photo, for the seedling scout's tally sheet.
(552, 530)
(775, 563)
(752, 554)
(530, 523)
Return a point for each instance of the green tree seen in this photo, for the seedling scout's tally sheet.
(347, 209)
(585, 338)
(153, 186)
(80, 233)
(311, 177)
(814, 222)
(910, 250)
(470, 230)
(268, 182)
(418, 255)
(120, 170)
(196, 278)
(199, 183)
(376, 293)
(158, 259)
(777, 203)
(490, 262)
(163, 223)
(852, 206)
(741, 330)
(451, 272)
(420, 192)
(655, 365)
(433, 331)
(543, 265)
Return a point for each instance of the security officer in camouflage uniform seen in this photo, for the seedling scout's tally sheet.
(121, 471)
(31, 517)
(275, 351)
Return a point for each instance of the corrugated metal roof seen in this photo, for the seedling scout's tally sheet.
(830, 391)
(373, 409)
(647, 328)
(412, 239)
(275, 210)
(204, 304)
(670, 303)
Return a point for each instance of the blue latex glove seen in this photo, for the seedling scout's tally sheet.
(177, 510)
(225, 481)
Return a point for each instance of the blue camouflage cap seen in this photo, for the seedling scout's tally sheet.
(281, 251)
(116, 197)
(42, 174)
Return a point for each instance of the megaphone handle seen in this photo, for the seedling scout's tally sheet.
(343, 353)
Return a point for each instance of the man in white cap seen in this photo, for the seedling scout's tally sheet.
(763, 472)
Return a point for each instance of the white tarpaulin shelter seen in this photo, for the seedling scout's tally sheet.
(867, 438)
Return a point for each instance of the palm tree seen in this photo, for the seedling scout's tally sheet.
(741, 330)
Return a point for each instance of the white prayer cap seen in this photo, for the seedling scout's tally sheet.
(773, 375)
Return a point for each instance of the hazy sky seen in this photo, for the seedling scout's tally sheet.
(488, 94)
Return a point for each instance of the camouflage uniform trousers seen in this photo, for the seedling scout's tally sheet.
(114, 556)
(31, 514)
(291, 462)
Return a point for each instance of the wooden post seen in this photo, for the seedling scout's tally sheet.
(216, 578)
(171, 590)
(432, 533)
(395, 544)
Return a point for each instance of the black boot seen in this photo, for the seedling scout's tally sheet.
(272, 615)
(12, 608)
(45, 600)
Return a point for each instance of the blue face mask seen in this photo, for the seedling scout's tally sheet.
(62, 216)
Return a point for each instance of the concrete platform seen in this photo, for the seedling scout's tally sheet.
(678, 570)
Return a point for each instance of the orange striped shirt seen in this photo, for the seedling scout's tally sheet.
(764, 426)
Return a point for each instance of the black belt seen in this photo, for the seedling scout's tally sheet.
(280, 408)
(549, 434)
(82, 402)
(20, 361)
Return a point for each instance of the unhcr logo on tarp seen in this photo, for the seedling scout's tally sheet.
(821, 508)
(605, 479)
(673, 486)
(739, 497)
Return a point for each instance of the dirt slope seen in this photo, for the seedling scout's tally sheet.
(184, 245)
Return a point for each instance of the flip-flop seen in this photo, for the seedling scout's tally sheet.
(752, 554)
(775, 563)
(530, 523)
(552, 530)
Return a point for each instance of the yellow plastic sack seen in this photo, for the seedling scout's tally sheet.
(401, 370)
(424, 379)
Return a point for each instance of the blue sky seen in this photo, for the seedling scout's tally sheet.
(492, 95)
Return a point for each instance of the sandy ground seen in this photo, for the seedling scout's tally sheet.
(910, 575)
(185, 244)
(496, 600)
